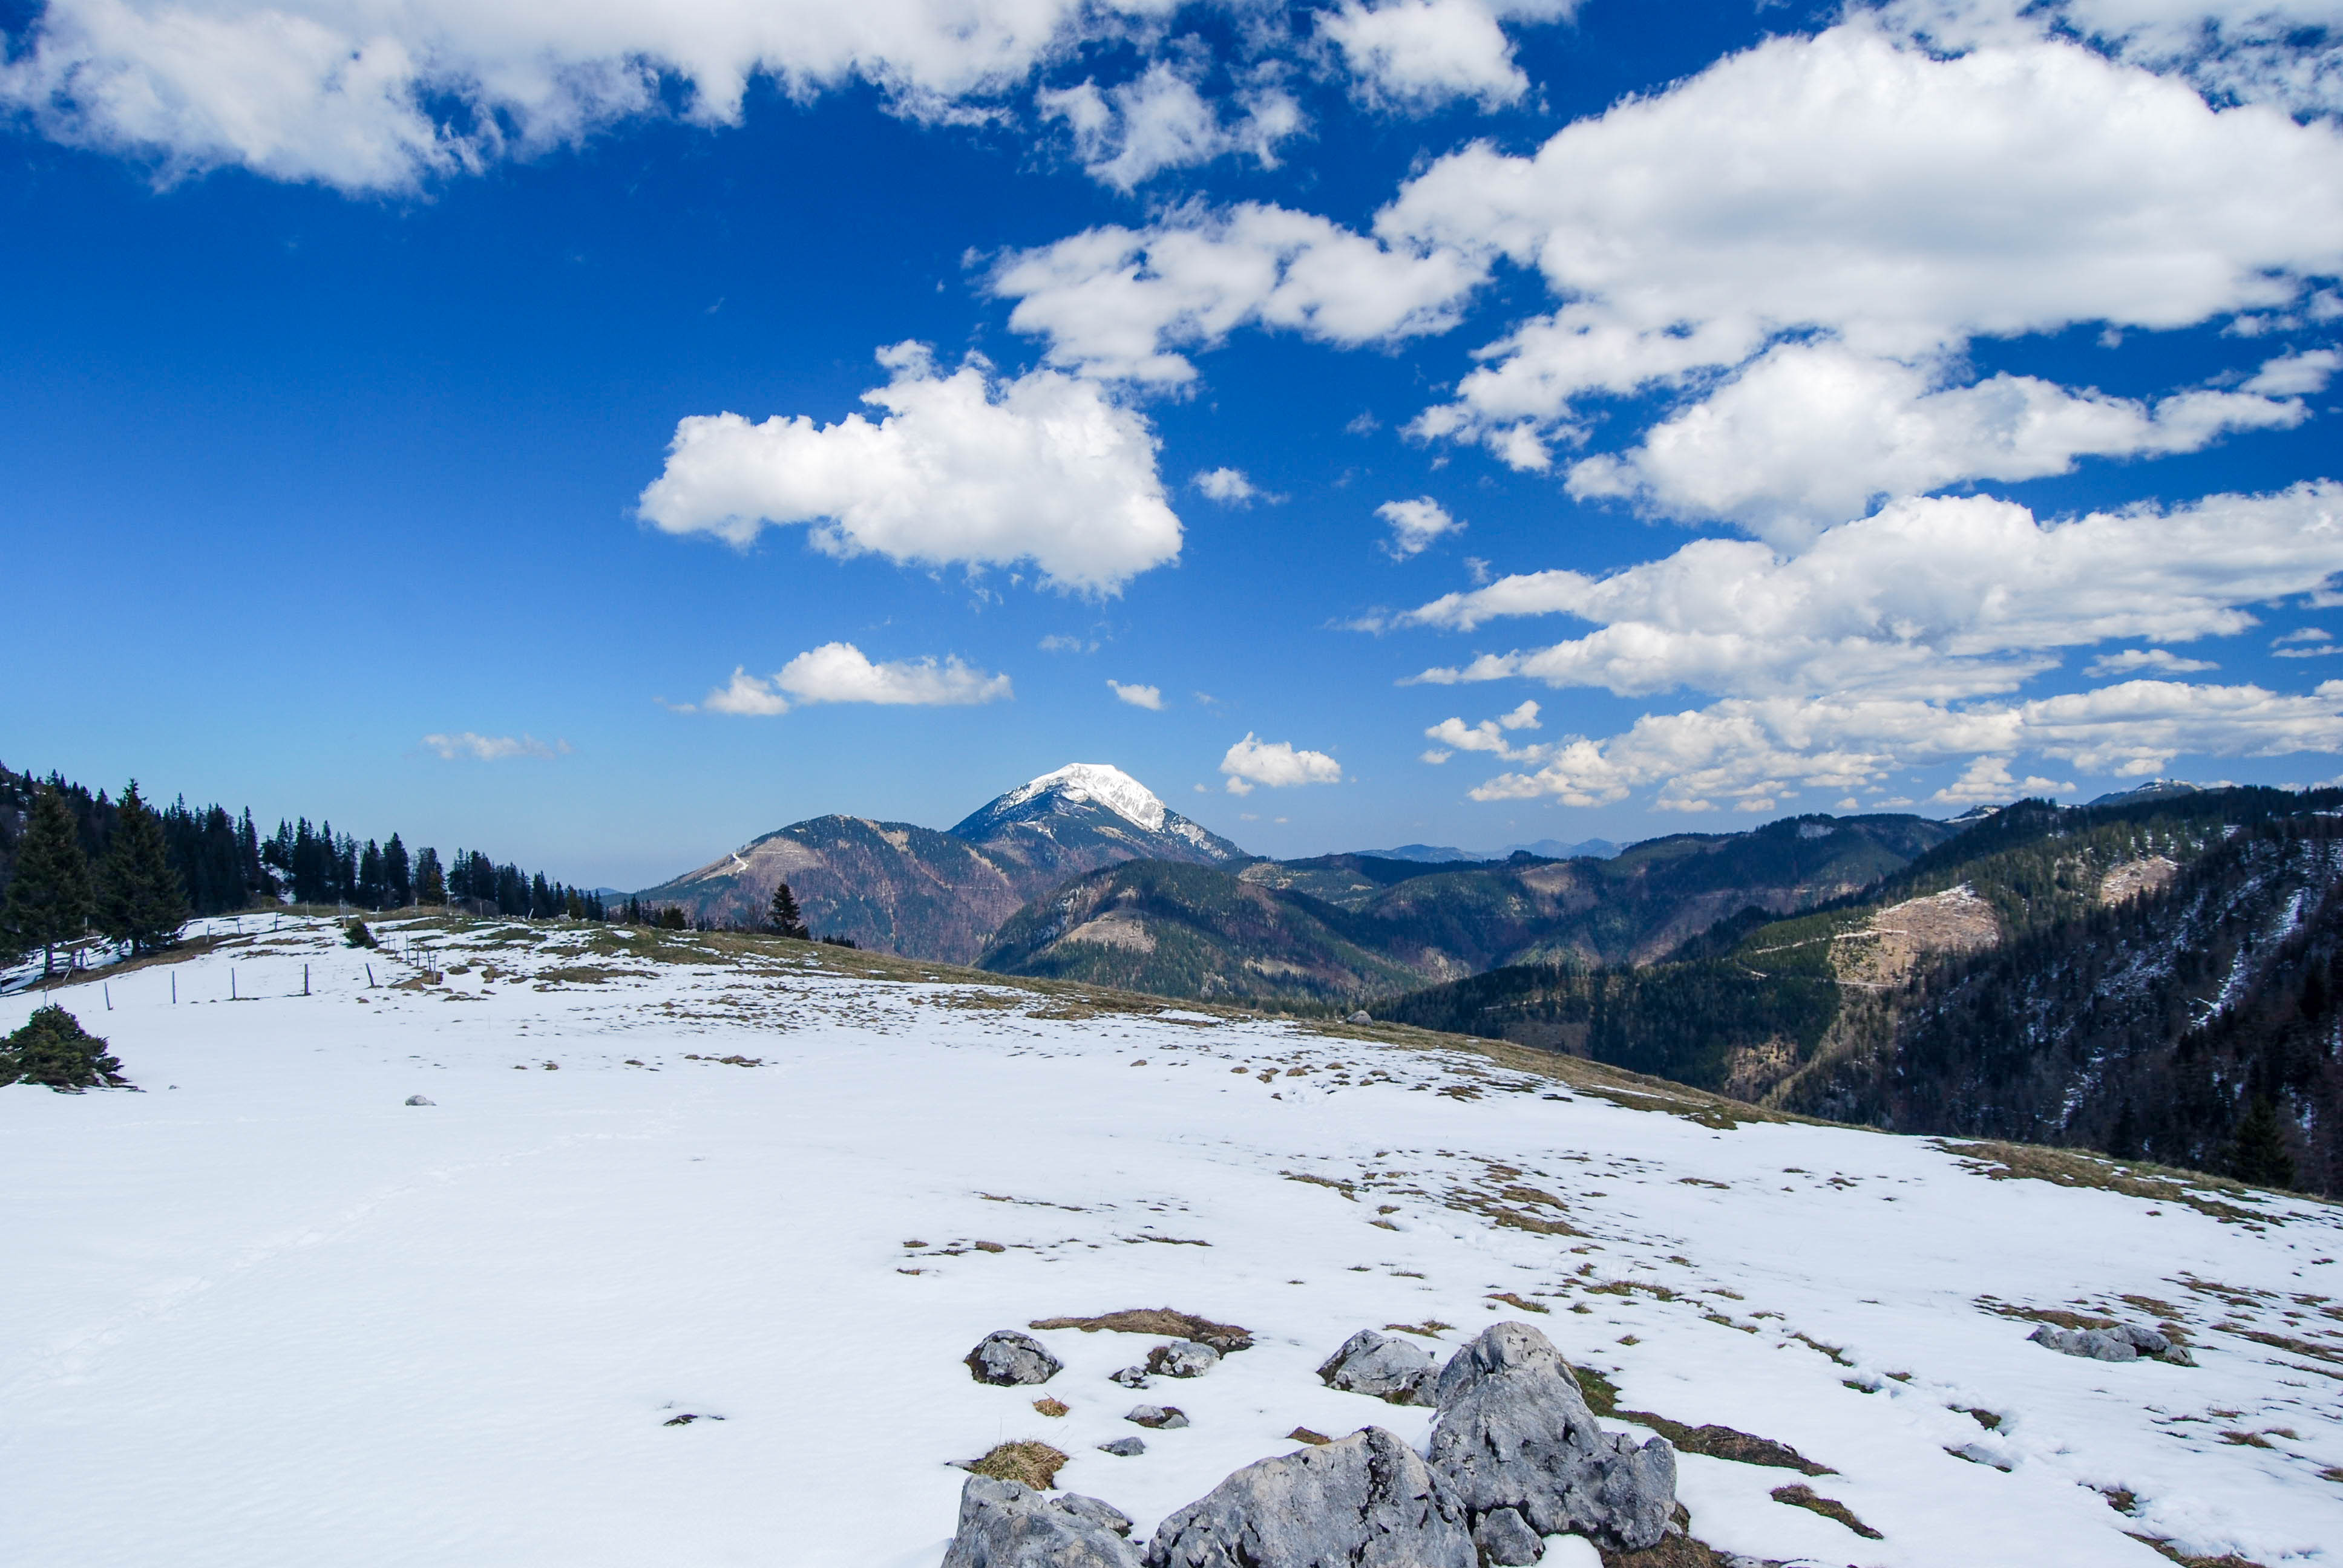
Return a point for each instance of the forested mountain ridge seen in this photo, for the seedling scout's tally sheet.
(2133, 978)
(1345, 928)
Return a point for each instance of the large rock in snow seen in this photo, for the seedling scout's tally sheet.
(1003, 1524)
(1006, 1357)
(1183, 1358)
(1367, 1501)
(1514, 1432)
(2124, 1343)
(1395, 1370)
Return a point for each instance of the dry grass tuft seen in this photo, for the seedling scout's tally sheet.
(1512, 1300)
(1806, 1497)
(1025, 1462)
(1052, 1408)
(1224, 1338)
(1304, 1434)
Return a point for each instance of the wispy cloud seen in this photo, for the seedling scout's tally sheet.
(466, 746)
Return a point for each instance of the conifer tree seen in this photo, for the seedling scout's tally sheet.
(430, 881)
(49, 896)
(398, 879)
(783, 919)
(2259, 1156)
(141, 899)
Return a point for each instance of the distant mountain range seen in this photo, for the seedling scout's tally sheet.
(1345, 928)
(1543, 848)
(903, 888)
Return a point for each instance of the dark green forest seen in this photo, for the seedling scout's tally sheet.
(2195, 1024)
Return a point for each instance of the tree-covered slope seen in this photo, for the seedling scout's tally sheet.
(2132, 978)
(1347, 927)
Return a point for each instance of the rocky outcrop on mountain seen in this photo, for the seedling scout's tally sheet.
(1004, 1524)
(1515, 1433)
(907, 889)
(1366, 1502)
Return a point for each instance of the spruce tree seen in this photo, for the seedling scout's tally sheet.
(430, 881)
(398, 879)
(2258, 1155)
(141, 899)
(49, 896)
(783, 919)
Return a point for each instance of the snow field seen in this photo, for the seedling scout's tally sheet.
(275, 1315)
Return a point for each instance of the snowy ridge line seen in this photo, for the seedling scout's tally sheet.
(792, 1187)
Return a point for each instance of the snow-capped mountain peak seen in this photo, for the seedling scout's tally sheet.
(1100, 784)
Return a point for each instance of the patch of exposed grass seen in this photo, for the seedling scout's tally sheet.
(2072, 1168)
(1052, 1408)
(1725, 1442)
(1304, 1434)
(1160, 1321)
(1026, 1461)
(1430, 1329)
(1512, 1300)
(1806, 1497)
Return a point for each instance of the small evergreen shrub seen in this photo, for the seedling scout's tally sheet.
(53, 1048)
(358, 936)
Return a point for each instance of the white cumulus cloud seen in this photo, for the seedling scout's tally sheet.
(961, 468)
(1743, 749)
(1810, 433)
(1121, 303)
(1160, 120)
(2134, 660)
(841, 672)
(1421, 53)
(365, 95)
(1278, 765)
(1414, 525)
(492, 748)
(1148, 697)
(1934, 597)
(1489, 735)
(1230, 486)
(1883, 207)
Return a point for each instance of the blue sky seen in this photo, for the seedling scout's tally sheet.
(1909, 406)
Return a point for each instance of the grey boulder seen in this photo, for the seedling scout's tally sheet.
(1003, 1524)
(1514, 1432)
(1183, 1358)
(1096, 1511)
(1366, 1502)
(1395, 1370)
(411, 1100)
(1133, 1377)
(1124, 1447)
(2124, 1343)
(1162, 1417)
(1503, 1538)
(1007, 1357)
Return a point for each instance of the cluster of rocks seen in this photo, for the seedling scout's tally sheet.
(2123, 1342)
(1515, 1456)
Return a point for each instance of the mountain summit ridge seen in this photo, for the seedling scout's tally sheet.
(920, 892)
(1098, 783)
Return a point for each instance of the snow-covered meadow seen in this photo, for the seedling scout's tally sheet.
(265, 1313)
